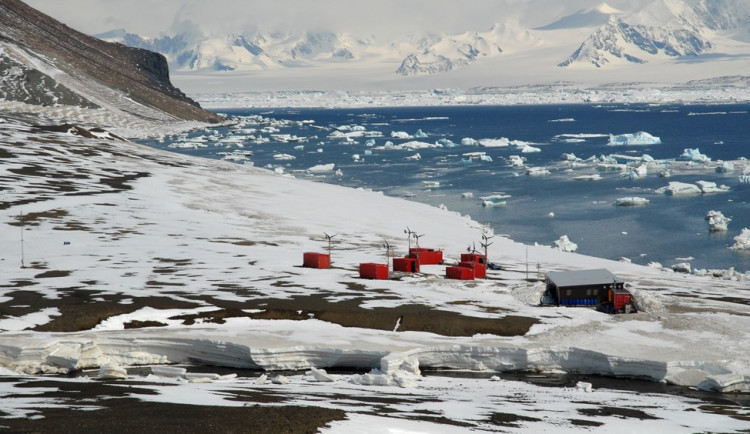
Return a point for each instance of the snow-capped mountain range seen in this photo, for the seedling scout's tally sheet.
(667, 40)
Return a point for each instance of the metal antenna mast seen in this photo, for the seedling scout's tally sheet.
(387, 246)
(329, 237)
(417, 237)
(409, 234)
(485, 243)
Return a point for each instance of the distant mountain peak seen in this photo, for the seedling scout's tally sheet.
(591, 17)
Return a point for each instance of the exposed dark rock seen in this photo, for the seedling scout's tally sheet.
(141, 75)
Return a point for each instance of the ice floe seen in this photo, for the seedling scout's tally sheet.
(631, 201)
(742, 241)
(640, 138)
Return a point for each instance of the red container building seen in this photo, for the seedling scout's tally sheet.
(459, 273)
(370, 270)
(316, 260)
(479, 263)
(426, 256)
(407, 265)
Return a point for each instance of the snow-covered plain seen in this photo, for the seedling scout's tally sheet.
(122, 225)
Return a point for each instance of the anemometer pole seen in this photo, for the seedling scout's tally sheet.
(485, 243)
(23, 228)
(387, 246)
(409, 234)
(329, 238)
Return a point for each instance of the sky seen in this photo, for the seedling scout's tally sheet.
(362, 17)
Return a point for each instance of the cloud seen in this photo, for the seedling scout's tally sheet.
(383, 18)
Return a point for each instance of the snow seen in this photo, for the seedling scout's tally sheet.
(641, 138)
(223, 225)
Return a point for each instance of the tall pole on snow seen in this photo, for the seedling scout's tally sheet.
(23, 228)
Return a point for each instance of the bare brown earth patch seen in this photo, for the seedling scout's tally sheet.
(619, 412)
(349, 313)
(80, 309)
(96, 406)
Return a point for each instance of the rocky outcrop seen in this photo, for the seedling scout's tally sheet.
(138, 74)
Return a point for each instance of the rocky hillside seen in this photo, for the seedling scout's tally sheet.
(44, 62)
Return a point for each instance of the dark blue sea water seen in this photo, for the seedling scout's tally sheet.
(668, 230)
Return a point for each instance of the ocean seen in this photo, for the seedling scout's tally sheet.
(537, 208)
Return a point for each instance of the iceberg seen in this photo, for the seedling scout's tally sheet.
(594, 177)
(693, 155)
(527, 149)
(742, 241)
(537, 171)
(284, 157)
(516, 160)
(400, 135)
(415, 157)
(565, 244)
(420, 134)
(717, 222)
(725, 166)
(468, 141)
(631, 201)
(640, 138)
(494, 143)
(495, 200)
(322, 168)
(679, 189)
(711, 187)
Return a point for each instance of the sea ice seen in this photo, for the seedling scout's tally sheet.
(322, 168)
(537, 171)
(693, 155)
(415, 157)
(725, 166)
(565, 244)
(494, 143)
(638, 172)
(516, 160)
(284, 157)
(400, 135)
(639, 138)
(679, 189)
(594, 177)
(495, 200)
(711, 187)
(742, 241)
(631, 201)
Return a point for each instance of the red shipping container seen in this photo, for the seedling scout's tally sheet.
(316, 260)
(407, 265)
(371, 270)
(459, 273)
(479, 263)
(426, 256)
